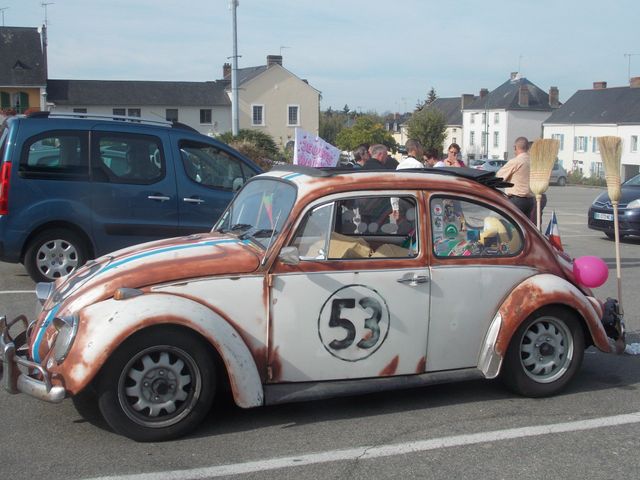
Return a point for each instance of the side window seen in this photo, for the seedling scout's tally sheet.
(136, 159)
(462, 228)
(211, 167)
(359, 228)
(55, 155)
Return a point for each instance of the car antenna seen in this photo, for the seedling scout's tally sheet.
(273, 232)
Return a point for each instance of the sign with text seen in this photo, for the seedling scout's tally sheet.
(312, 151)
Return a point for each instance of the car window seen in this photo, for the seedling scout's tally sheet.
(136, 159)
(212, 167)
(55, 155)
(359, 228)
(461, 228)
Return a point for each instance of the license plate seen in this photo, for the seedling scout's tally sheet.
(603, 216)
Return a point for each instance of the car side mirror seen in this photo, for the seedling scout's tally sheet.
(289, 256)
(238, 182)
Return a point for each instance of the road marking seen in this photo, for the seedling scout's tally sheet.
(371, 452)
(16, 291)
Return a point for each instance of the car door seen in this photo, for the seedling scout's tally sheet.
(357, 302)
(133, 194)
(475, 264)
(207, 178)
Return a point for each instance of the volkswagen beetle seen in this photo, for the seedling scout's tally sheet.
(313, 283)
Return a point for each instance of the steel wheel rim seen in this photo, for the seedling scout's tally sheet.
(159, 386)
(546, 350)
(57, 258)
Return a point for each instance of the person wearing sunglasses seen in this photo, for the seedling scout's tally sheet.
(452, 157)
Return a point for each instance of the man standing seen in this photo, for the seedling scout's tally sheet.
(516, 171)
(414, 151)
(361, 155)
(378, 157)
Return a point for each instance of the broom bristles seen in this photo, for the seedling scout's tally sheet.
(611, 153)
(543, 154)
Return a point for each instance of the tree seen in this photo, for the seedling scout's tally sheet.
(431, 97)
(331, 123)
(367, 129)
(254, 144)
(346, 110)
(428, 126)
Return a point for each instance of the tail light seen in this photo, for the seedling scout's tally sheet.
(5, 174)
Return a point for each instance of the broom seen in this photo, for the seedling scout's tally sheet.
(611, 153)
(543, 155)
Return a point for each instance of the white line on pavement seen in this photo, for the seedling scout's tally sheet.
(16, 291)
(366, 453)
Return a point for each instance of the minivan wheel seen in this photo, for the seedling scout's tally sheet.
(53, 254)
(562, 181)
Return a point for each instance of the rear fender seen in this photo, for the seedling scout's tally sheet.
(105, 325)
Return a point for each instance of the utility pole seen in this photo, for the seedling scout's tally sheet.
(2, 10)
(629, 55)
(235, 111)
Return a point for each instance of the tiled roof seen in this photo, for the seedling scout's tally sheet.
(131, 92)
(21, 57)
(451, 108)
(618, 105)
(506, 97)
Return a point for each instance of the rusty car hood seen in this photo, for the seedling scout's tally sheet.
(153, 263)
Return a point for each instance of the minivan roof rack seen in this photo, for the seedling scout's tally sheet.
(92, 116)
(483, 177)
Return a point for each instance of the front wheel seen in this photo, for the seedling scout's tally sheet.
(562, 181)
(53, 254)
(158, 385)
(544, 354)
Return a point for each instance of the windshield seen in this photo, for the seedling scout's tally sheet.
(633, 182)
(475, 163)
(258, 211)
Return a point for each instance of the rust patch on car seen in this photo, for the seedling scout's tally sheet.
(391, 368)
(422, 365)
(275, 365)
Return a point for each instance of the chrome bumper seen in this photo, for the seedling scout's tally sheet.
(17, 374)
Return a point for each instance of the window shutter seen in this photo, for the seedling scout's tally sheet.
(5, 100)
(24, 101)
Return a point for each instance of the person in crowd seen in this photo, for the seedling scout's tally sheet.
(378, 156)
(414, 152)
(431, 157)
(516, 171)
(361, 155)
(390, 162)
(452, 159)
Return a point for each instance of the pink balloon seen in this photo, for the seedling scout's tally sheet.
(590, 271)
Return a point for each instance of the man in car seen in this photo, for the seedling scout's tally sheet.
(516, 171)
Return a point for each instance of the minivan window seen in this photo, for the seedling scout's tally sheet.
(211, 167)
(55, 155)
(134, 159)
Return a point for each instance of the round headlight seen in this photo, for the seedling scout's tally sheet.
(67, 327)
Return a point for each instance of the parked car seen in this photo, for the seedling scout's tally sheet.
(75, 188)
(307, 287)
(558, 175)
(600, 215)
(487, 164)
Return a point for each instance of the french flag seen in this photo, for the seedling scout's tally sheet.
(553, 233)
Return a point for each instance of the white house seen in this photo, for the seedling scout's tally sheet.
(495, 119)
(593, 113)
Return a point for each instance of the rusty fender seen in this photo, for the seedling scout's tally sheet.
(532, 294)
(105, 325)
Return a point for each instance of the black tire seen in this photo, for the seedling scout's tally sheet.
(544, 354)
(54, 253)
(562, 181)
(158, 385)
(612, 236)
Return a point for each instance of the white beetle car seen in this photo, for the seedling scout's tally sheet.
(313, 283)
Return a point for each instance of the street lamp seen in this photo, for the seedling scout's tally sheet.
(235, 112)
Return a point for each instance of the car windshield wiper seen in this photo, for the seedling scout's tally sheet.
(258, 233)
(236, 227)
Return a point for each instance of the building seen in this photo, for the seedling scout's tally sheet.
(495, 119)
(23, 69)
(593, 113)
(274, 100)
(452, 108)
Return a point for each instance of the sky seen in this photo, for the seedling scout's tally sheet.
(371, 55)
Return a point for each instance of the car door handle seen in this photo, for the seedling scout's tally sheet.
(192, 200)
(416, 279)
(161, 198)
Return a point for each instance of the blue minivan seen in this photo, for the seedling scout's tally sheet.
(76, 187)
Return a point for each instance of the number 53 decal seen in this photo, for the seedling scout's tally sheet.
(353, 322)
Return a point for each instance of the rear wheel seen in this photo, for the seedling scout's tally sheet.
(158, 385)
(53, 254)
(544, 354)
(562, 181)
(612, 236)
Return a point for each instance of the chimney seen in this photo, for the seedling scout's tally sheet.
(523, 96)
(634, 82)
(484, 92)
(274, 60)
(514, 76)
(599, 85)
(554, 97)
(465, 100)
(226, 70)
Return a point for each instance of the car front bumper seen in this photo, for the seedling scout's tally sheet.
(628, 220)
(18, 374)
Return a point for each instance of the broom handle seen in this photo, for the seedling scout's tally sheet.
(539, 211)
(616, 229)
